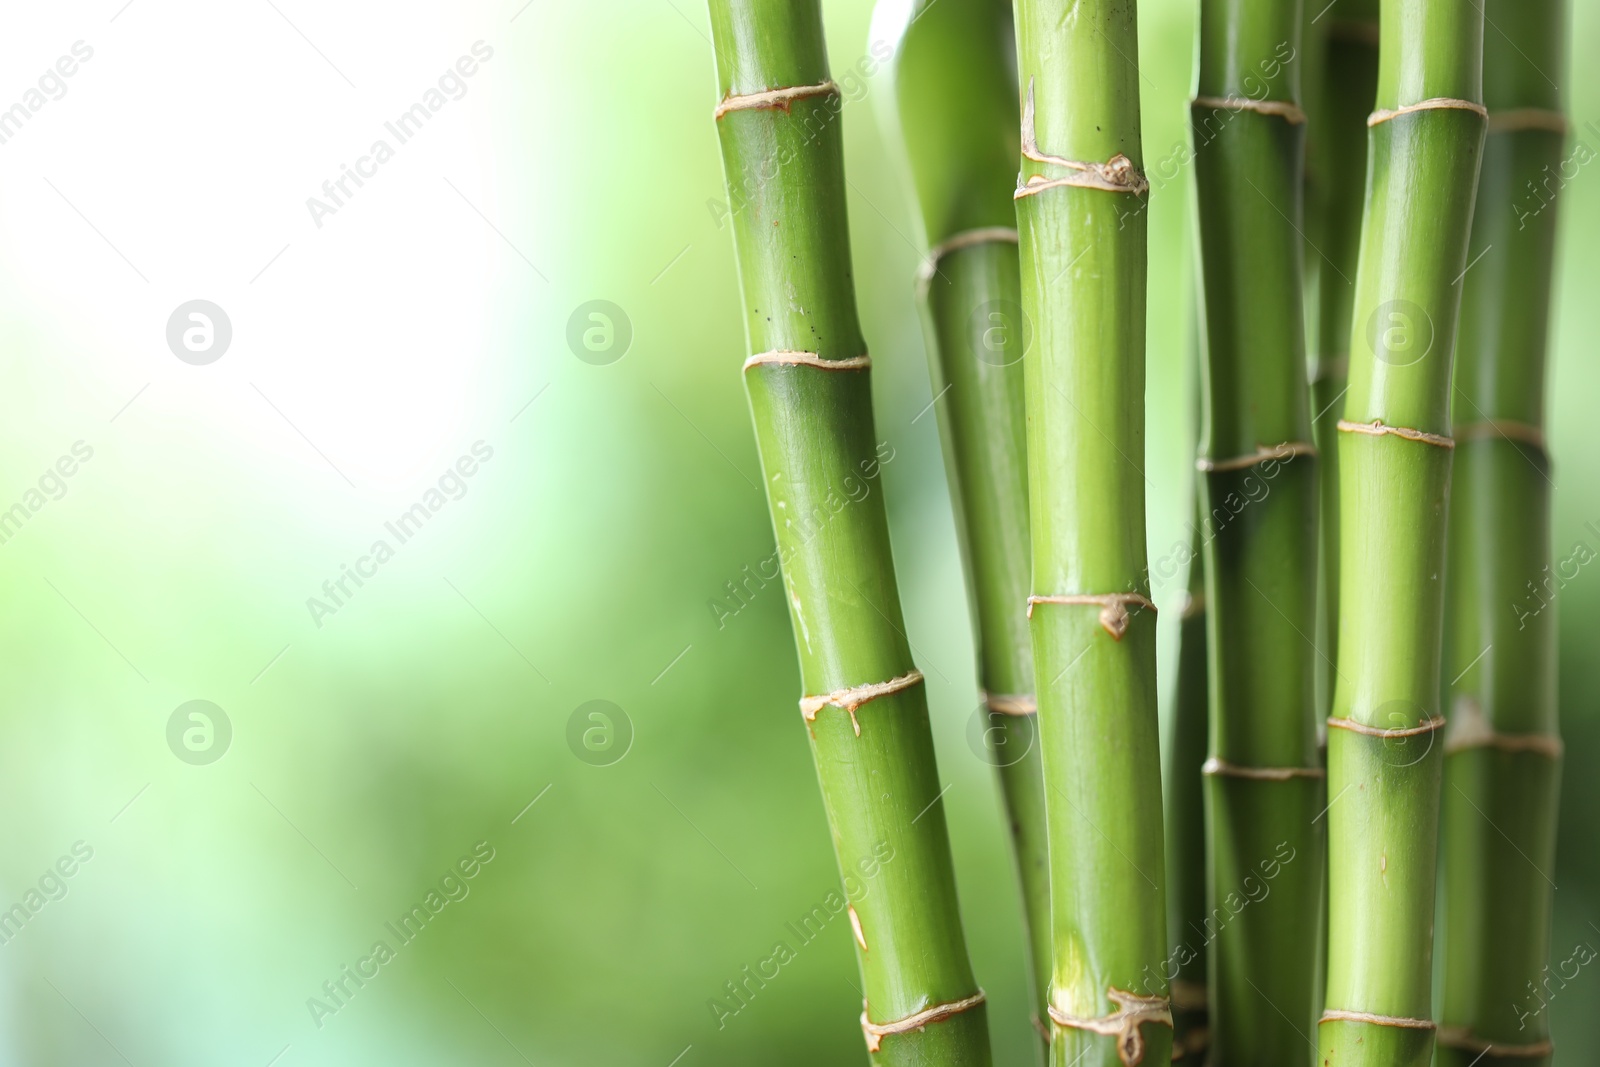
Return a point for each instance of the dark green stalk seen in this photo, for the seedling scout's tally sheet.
(1503, 750)
(1337, 157)
(1384, 755)
(1259, 487)
(1079, 213)
(810, 400)
(956, 93)
(1186, 826)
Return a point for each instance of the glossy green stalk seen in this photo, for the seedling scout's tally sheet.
(1336, 152)
(1259, 483)
(1384, 748)
(956, 96)
(811, 403)
(1185, 754)
(1503, 753)
(1083, 252)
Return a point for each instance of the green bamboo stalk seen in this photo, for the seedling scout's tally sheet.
(956, 97)
(1384, 756)
(1503, 750)
(1337, 158)
(1083, 249)
(778, 121)
(1184, 794)
(1264, 774)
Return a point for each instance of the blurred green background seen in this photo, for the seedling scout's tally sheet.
(429, 718)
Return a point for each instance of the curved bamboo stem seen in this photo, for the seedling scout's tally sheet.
(1502, 761)
(1083, 288)
(778, 122)
(957, 113)
(1384, 760)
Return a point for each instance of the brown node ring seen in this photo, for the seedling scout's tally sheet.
(1113, 608)
(1433, 103)
(773, 99)
(1124, 1024)
(1426, 727)
(1518, 119)
(876, 1032)
(1333, 1015)
(1377, 428)
(852, 698)
(1282, 451)
(1011, 703)
(1507, 429)
(807, 359)
(1284, 109)
(1223, 769)
(1462, 1038)
(1115, 175)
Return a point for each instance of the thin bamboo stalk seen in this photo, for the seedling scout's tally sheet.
(1502, 749)
(956, 96)
(1083, 261)
(1384, 752)
(1264, 777)
(1337, 158)
(808, 385)
(1186, 826)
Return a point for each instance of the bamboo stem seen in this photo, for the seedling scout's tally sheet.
(956, 93)
(1184, 794)
(1502, 761)
(1083, 284)
(810, 400)
(1337, 161)
(1264, 778)
(1384, 750)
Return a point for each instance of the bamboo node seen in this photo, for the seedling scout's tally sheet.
(808, 359)
(1193, 604)
(1377, 428)
(1462, 1038)
(1517, 119)
(1427, 726)
(1325, 367)
(1115, 175)
(1223, 769)
(1189, 996)
(1011, 704)
(1194, 1043)
(1354, 32)
(1285, 450)
(772, 99)
(1433, 103)
(852, 698)
(876, 1032)
(1469, 729)
(1340, 1015)
(1287, 110)
(1113, 608)
(1133, 1011)
(1510, 429)
(965, 239)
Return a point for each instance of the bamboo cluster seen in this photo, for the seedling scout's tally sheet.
(1265, 893)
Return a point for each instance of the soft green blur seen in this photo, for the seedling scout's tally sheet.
(585, 561)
